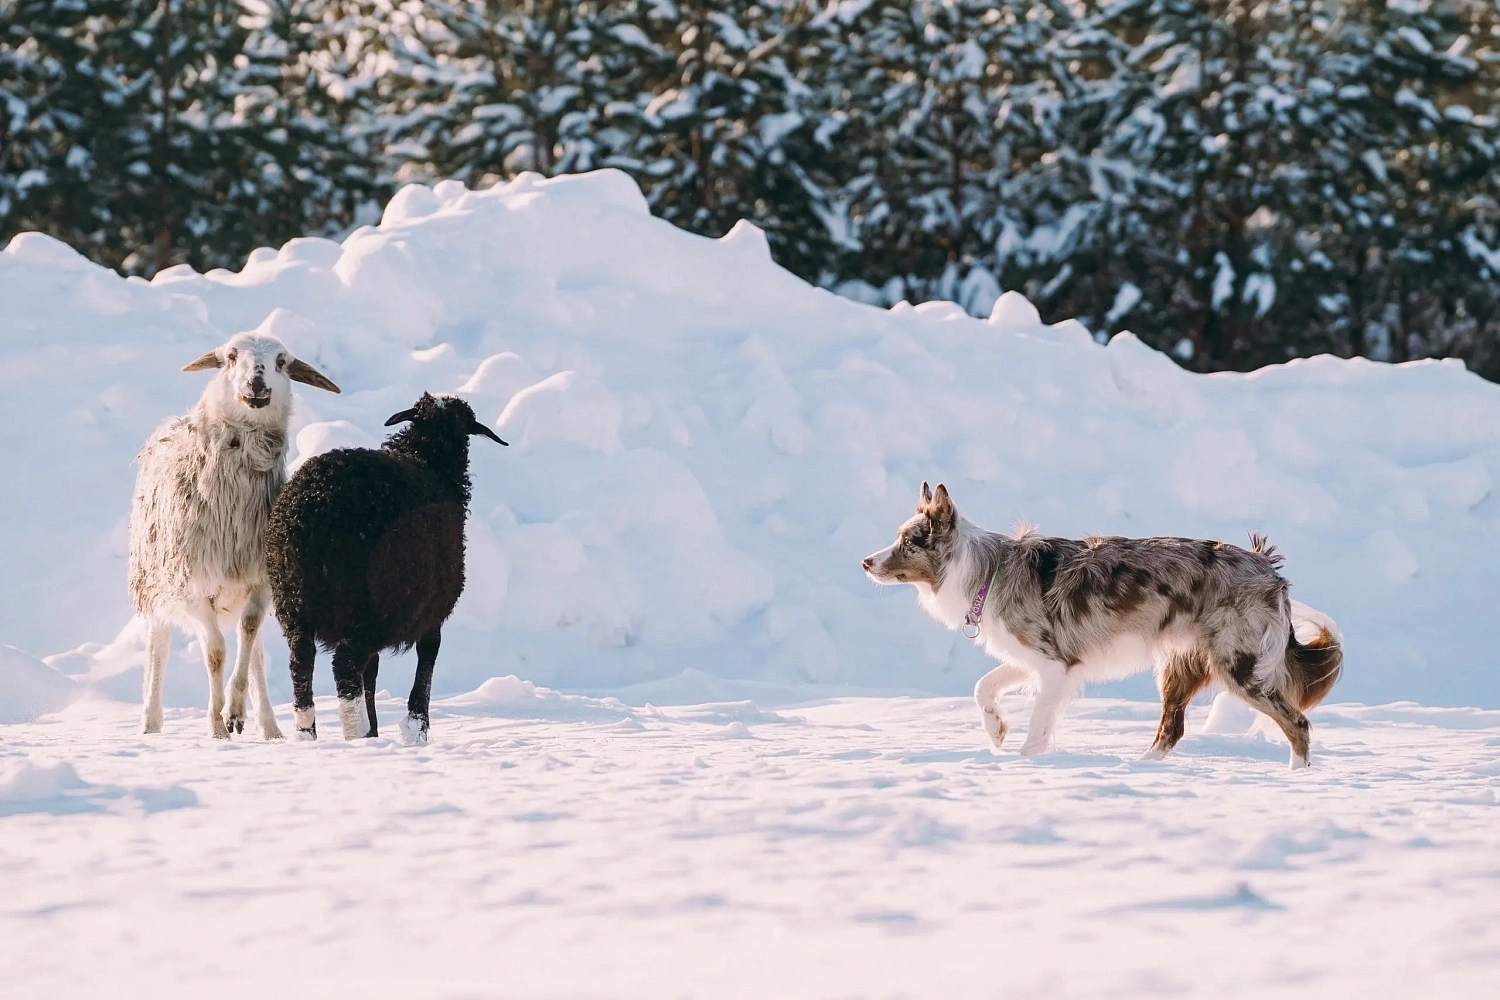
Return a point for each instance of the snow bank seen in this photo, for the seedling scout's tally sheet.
(31, 785)
(30, 688)
(705, 446)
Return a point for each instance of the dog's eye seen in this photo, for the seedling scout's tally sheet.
(918, 538)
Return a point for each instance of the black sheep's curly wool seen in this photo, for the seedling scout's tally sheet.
(366, 547)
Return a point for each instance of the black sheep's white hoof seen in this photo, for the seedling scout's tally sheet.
(414, 730)
(306, 724)
(353, 718)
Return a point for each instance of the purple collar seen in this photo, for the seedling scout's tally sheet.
(976, 610)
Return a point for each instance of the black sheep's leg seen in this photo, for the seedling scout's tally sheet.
(372, 668)
(304, 653)
(414, 726)
(349, 679)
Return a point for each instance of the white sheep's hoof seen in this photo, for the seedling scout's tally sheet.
(413, 731)
(234, 715)
(309, 735)
(353, 718)
(151, 725)
(269, 730)
(216, 727)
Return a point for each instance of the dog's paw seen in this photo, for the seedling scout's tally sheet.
(995, 728)
(1299, 762)
(1035, 748)
(1154, 753)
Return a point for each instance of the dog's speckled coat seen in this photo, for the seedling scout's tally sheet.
(1062, 612)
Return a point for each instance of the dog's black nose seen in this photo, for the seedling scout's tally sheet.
(869, 563)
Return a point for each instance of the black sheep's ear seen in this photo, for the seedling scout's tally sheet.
(475, 427)
(404, 415)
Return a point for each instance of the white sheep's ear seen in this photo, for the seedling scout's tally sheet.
(209, 360)
(301, 371)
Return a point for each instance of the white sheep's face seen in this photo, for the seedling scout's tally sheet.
(255, 378)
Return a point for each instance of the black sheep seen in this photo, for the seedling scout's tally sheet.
(366, 552)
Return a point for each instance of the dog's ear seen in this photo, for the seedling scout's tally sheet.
(925, 497)
(941, 506)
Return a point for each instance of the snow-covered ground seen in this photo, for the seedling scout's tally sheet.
(552, 846)
(704, 447)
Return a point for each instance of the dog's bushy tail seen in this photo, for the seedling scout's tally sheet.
(1315, 665)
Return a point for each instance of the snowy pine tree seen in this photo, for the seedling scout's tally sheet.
(488, 89)
(731, 121)
(50, 96)
(951, 102)
(316, 153)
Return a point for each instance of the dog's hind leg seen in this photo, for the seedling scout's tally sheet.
(1058, 686)
(1183, 675)
(987, 692)
(1293, 723)
(1242, 678)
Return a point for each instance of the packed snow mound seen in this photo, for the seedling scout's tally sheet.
(30, 688)
(705, 446)
(32, 785)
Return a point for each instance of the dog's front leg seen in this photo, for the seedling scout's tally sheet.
(1057, 689)
(987, 692)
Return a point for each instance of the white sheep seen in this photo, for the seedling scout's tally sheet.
(203, 496)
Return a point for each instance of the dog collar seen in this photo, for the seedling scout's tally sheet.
(971, 620)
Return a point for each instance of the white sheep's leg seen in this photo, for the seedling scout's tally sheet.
(265, 712)
(158, 645)
(213, 658)
(247, 631)
(250, 665)
(987, 692)
(1057, 690)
